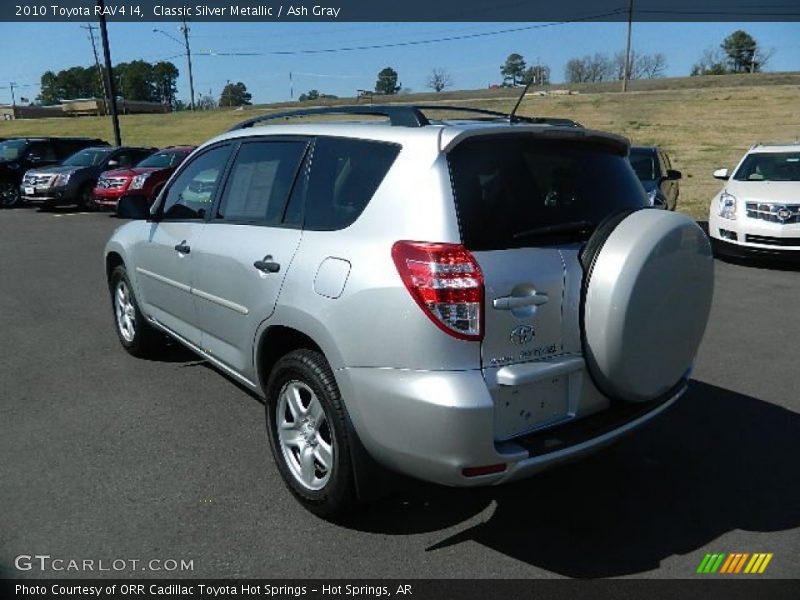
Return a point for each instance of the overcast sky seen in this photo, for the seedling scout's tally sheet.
(30, 49)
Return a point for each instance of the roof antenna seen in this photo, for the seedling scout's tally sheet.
(511, 117)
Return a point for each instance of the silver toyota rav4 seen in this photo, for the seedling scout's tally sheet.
(465, 301)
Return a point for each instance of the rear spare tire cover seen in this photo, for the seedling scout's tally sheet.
(647, 298)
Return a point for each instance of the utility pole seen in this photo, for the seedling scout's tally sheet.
(11, 84)
(188, 60)
(626, 71)
(90, 28)
(111, 98)
(291, 87)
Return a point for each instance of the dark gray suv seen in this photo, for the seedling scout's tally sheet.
(73, 181)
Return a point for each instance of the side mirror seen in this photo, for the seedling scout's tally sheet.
(133, 206)
(673, 175)
(722, 174)
(112, 164)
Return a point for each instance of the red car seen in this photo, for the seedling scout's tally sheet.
(147, 177)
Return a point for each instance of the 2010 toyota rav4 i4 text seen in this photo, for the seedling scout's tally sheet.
(463, 301)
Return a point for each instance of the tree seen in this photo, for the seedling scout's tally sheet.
(206, 102)
(165, 77)
(642, 66)
(589, 68)
(311, 95)
(652, 66)
(235, 94)
(575, 71)
(538, 75)
(137, 80)
(740, 48)
(712, 62)
(439, 79)
(513, 69)
(387, 82)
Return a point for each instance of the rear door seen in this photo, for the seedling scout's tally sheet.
(245, 250)
(525, 206)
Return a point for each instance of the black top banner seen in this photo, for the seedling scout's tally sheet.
(404, 11)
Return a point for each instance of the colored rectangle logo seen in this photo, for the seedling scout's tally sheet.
(734, 563)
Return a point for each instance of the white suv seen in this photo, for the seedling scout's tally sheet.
(467, 302)
(758, 210)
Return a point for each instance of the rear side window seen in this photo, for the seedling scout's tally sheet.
(260, 181)
(344, 175)
(522, 191)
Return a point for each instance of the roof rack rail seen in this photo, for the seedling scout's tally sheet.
(400, 115)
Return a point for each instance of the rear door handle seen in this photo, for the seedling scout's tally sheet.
(512, 302)
(183, 248)
(267, 265)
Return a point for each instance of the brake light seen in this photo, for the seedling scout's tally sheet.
(446, 282)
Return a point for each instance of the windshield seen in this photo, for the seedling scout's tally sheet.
(514, 192)
(162, 160)
(12, 149)
(86, 158)
(770, 166)
(644, 164)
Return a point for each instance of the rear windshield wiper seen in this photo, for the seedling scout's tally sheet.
(572, 228)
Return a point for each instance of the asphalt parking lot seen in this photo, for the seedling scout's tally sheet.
(108, 457)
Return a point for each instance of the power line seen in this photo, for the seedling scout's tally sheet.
(452, 38)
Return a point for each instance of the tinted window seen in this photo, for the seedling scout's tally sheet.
(87, 158)
(12, 149)
(644, 164)
(260, 181)
(128, 158)
(42, 150)
(344, 176)
(509, 191)
(191, 194)
(163, 160)
(770, 166)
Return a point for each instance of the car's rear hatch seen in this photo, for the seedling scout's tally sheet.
(526, 203)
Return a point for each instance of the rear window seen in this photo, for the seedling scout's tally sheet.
(644, 164)
(521, 191)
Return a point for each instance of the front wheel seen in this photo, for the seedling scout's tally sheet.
(308, 433)
(9, 195)
(86, 200)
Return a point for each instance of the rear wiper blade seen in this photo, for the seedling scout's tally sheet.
(573, 227)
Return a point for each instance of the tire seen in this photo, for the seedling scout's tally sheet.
(648, 286)
(9, 195)
(86, 198)
(135, 334)
(308, 434)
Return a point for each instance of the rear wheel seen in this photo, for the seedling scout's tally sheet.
(135, 334)
(308, 433)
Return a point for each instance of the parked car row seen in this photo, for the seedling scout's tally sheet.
(86, 172)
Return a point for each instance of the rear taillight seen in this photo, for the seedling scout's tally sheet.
(446, 282)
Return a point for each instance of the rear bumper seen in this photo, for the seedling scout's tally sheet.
(432, 425)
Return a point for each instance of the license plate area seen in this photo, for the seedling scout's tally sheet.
(524, 408)
(29, 191)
